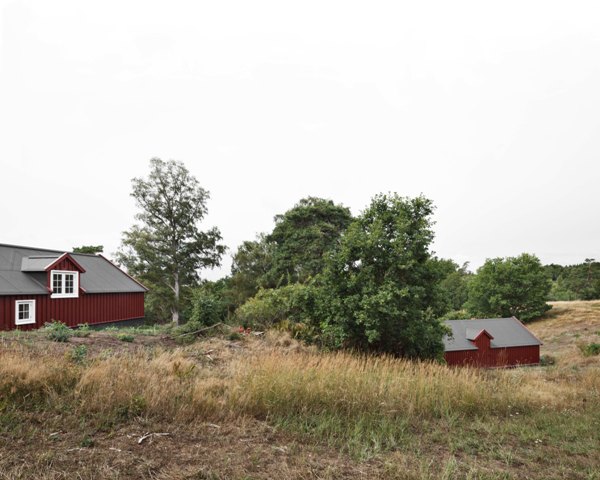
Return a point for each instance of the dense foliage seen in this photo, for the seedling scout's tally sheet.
(211, 303)
(454, 284)
(292, 306)
(295, 251)
(369, 283)
(302, 236)
(167, 249)
(381, 285)
(513, 286)
(91, 249)
(575, 282)
(252, 264)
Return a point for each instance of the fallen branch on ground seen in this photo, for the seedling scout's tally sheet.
(199, 331)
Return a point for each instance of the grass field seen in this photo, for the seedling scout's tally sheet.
(267, 407)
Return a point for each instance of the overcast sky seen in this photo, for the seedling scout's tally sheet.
(491, 109)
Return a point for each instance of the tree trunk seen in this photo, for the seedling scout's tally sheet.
(175, 308)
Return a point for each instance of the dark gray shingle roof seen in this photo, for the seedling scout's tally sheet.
(37, 263)
(101, 276)
(507, 332)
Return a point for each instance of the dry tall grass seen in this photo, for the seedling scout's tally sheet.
(421, 415)
(273, 384)
(351, 385)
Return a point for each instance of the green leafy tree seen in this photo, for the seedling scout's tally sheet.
(167, 249)
(381, 287)
(294, 251)
(302, 236)
(554, 271)
(506, 287)
(211, 302)
(92, 249)
(252, 264)
(454, 284)
(582, 279)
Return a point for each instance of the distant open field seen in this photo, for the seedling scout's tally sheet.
(266, 407)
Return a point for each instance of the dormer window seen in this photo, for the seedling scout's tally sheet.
(65, 284)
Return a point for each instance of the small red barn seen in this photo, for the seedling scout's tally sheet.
(38, 286)
(491, 342)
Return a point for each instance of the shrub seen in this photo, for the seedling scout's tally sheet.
(125, 337)
(547, 360)
(235, 336)
(87, 442)
(82, 331)
(78, 354)
(271, 306)
(210, 303)
(591, 349)
(57, 331)
(559, 293)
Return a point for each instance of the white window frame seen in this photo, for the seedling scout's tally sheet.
(31, 319)
(63, 274)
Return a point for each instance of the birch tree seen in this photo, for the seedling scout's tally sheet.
(167, 249)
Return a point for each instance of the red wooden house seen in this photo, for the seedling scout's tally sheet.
(491, 342)
(38, 286)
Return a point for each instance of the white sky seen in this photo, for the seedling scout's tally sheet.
(492, 109)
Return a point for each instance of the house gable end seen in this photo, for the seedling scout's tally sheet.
(65, 262)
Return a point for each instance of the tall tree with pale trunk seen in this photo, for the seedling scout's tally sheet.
(167, 249)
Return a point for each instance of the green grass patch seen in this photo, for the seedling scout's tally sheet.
(590, 349)
(146, 330)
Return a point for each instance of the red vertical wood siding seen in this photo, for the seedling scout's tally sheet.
(65, 264)
(88, 308)
(486, 356)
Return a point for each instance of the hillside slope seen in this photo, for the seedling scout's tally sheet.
(567, 326)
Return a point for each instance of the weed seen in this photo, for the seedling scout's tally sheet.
(591, 349)
(125, 337)
(547, 360)
(86, 442)
(235, 336)
(83, 330)
(78, 354)
(57, 331)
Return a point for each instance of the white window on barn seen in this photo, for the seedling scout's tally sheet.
(24, 312)
(65, 284)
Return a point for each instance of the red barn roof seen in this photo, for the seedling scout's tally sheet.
(503, 333)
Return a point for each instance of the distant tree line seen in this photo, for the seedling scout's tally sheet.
(368, 282)
(575, 282)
